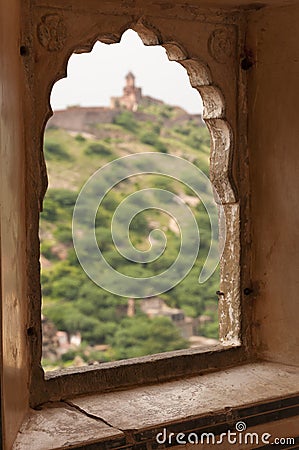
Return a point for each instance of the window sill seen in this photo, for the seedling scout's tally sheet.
(132, 418)
(126, 374)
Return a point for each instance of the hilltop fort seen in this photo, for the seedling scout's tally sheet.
(131, 97)
(78, 118)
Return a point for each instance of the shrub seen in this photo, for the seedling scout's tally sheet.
(55, 150)
(198, 137)
(69, 355)
(49, 210)
(139, 224)
(182, 130)
(66, 288)
(149, 138)
(80, 138)
(98, 148)
(46, 250)
(126, 120)
(194, 141)
(63, 233)
(166, 112)
(161, 147)
(153, 126)
(64, 198)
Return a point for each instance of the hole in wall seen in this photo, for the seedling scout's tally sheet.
(110, 117)
(23, 50)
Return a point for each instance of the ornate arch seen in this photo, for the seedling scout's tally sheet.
(56, 39)
(52, 35)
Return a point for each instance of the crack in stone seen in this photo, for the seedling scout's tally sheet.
(91, 416)
(128, 434)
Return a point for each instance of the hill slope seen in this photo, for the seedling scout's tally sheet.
(110, 328)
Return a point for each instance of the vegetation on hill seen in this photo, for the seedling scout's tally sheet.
(70, 299)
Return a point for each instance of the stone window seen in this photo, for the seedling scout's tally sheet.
(75, 119)
(49, 38)
(239, 85)
(60, 34)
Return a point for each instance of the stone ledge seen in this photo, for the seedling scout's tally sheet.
(150, 406)
(257, 393)
(141, 371)
(59, 426)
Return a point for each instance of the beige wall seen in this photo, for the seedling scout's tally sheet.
(14, 382)
(273, 102)
(273, 98)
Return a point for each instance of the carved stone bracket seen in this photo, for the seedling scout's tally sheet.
(51, 32)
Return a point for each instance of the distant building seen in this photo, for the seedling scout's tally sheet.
(156, 307)
(131, 308)
(131, 97)
(75, 339)
(84, 119)
(63, 340)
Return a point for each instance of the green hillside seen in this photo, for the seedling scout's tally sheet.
(70, 299)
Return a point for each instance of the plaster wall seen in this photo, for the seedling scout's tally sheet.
(273, 98)
(273, 135)
(14, 380)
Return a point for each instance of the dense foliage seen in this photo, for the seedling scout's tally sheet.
(70, 299)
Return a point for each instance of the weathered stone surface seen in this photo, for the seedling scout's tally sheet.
(286, 428)
(61, 427)
(135, 416)
(153, 406)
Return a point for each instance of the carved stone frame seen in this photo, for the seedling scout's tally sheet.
(213, 70)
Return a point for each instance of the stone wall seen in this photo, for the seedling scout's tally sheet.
(77, 118)
(82, 119)
(274, 164)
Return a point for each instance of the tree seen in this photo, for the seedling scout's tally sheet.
(140, 335)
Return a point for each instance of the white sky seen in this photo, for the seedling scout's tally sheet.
(94, 77)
